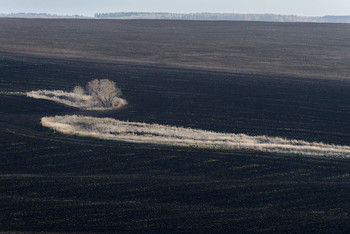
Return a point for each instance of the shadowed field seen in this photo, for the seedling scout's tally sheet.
(54, 182)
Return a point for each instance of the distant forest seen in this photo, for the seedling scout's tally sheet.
(223, 16)
(191, 16)
(40, 15)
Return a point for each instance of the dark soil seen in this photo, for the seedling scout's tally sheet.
(299, 49)
(58, 183)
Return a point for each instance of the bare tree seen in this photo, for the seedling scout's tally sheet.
(104, 91)
(78, 90)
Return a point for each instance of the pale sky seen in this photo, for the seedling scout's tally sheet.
(89, 7)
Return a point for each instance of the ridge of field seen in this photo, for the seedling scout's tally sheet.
(296, 49)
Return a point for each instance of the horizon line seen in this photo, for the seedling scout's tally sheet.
(161, 12)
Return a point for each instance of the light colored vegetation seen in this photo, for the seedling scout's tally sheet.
(112, 129)
(98, 95)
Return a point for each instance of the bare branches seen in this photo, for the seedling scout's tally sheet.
(104, 91)
(78, 90)
(98, 95)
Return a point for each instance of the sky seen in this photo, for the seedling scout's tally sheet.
(89, 7)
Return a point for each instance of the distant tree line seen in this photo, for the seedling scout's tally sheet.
(191, 16)
(39, 15)
(222, 16)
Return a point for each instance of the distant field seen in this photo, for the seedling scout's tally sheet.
(298, 49)
(53, 182)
